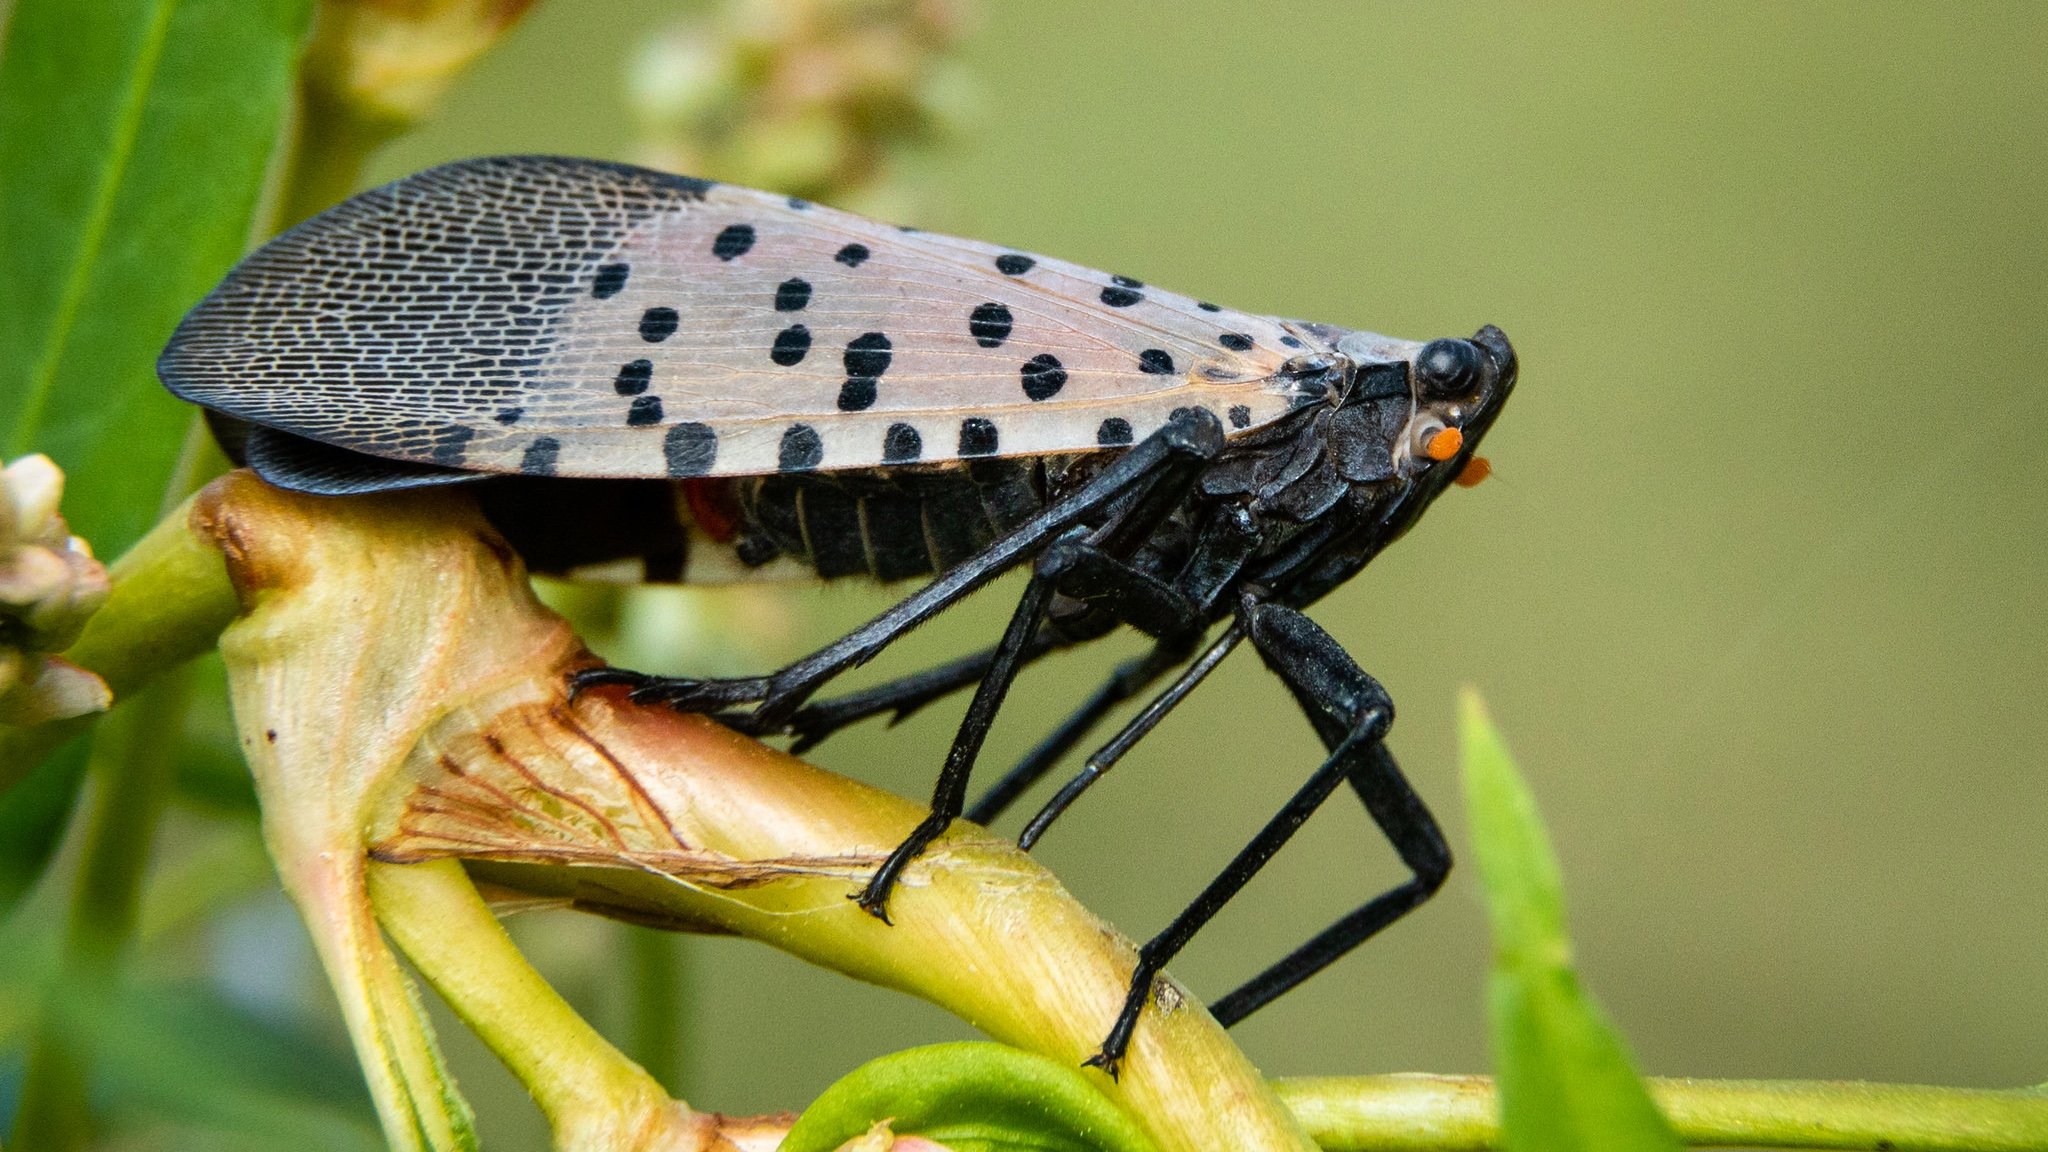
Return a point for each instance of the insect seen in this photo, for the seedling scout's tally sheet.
(701, 381)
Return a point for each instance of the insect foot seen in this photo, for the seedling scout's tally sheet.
(687, 695)
(678, 692)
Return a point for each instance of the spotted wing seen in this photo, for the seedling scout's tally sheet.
(570, 317)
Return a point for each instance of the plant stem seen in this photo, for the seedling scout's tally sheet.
(169, 602)
(592, 1094)
(1418, 1113)
(133, 762)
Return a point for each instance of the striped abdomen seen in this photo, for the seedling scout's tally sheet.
(889, 524)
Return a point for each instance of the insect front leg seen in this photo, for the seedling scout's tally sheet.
(1352, 713)
(1140, 726)
(1220, 554)
(1193, 436)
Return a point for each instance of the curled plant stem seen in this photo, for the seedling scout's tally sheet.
(430, 719)
(1416, 1113)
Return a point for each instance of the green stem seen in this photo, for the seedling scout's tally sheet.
(592, 1094)
(170, 600)
(133, 760)
(1460, 1114)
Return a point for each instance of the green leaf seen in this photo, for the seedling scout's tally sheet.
(971, 1097)
(1565, 1076)
(134, 135)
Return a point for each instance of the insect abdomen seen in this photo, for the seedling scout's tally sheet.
(891, 525)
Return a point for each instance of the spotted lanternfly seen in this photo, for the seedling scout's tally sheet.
(709, 382)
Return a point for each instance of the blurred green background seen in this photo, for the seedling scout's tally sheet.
(1757, 593)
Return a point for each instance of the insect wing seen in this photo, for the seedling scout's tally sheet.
(571, 317)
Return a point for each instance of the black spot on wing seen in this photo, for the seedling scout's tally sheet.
(798, 203)
(1113, 432)
(1205, 306)
(868, 354)
(901, 444)
(539, 459)
(1117, 296)
(733, 241)
(853, 255)
(610, 279)
(645, 410)
(690, 449)
(989, 324)
(1155, 362)
(633, 377)
(792, 294)
(802, 449)
(1235, 341)
(1240, 416)
(658, 324)
(1290, 341)
(509, 415)
(1014, 263)
(790, 345)
(977, 437)
(1043, 376)
(867, 357)
(858, 393)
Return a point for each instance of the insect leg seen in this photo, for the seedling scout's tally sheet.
(1140, 726)
(1194, 436)
(950, 794)
(1206, 573)
(1076, 565)
(1227, 542)
(1333, 691)
(1352, 713)
(904, 695)
(1130, 678)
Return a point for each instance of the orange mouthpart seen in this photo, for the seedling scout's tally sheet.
(1475, 470)
(1444, 445)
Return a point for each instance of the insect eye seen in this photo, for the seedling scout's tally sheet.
(1448, 368)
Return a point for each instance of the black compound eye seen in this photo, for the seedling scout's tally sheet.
(1448, 368)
